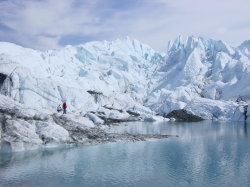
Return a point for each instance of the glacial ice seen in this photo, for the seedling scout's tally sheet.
(127, 73)
(111, 79)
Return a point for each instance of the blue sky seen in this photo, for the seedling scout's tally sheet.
(47, 24)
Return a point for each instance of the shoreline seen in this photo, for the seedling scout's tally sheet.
(20, 131)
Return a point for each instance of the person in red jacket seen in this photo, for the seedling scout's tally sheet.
(64, 108)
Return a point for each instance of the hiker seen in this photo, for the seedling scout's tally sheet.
(64, 108)
(59, 108)
(245, 112)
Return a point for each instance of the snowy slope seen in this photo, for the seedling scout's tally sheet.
(128, 75)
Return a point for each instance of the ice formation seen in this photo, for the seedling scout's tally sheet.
(128, 75)
(127, 80)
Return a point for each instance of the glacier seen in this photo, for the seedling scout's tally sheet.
(201, 73)
(116, 81)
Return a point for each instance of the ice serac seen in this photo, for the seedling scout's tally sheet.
(204, 74)
(113, 79)
(245, 48)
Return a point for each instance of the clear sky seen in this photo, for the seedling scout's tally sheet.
(47, 24)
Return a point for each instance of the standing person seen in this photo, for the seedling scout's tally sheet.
(59, 108)
(245, 112)
(64, 107)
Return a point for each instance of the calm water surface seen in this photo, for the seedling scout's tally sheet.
(204, 154)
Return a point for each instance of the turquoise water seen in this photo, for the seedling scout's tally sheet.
(204, 154)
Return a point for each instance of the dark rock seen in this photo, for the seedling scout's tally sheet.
(110, 108)
(92, 92)
(133, 113)
(245, 112)
(112, 120)
(101, 113)
(183, 115)
(2, 78)
(108, 120)
(95, 94)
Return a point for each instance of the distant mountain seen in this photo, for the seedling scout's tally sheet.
(206, 77)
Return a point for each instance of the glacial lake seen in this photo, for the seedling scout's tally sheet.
(205, 154)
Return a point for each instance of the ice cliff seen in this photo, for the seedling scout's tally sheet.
(206, 77)
(90, 76)
(117, 81)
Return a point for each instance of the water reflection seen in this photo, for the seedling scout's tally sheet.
(205, 154)
(245, 128)
(7, 159)
(184, 129)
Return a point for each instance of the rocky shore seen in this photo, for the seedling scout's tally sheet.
(24, 128)
(183, 115)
